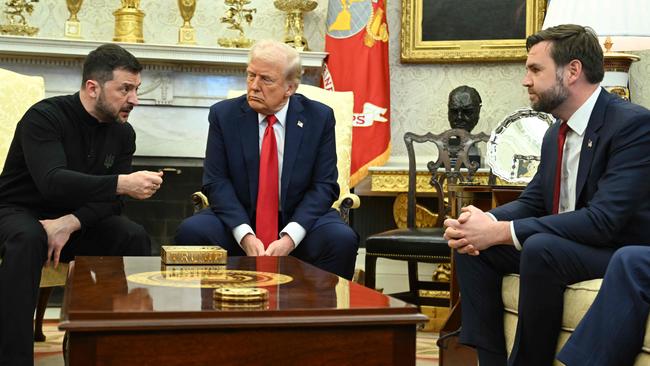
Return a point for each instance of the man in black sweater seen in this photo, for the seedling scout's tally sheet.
(60, 191)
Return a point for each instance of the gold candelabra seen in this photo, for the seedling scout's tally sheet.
(72, 25)
(235, 17)
(294, 23)
(128, 22)
(187, 34)
(17, 23)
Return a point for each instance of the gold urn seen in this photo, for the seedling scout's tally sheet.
(128, 22)
(294, 24)
(72, 25)
(186, 33)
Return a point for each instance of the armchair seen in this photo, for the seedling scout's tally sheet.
(415, 243)
(18, 93)
(342, 104)
(577, 300)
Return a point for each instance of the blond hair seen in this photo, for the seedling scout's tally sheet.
(274, 51)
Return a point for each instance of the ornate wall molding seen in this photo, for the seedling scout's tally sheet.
(39, 48)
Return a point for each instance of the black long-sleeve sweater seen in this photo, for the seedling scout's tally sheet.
(62, 160)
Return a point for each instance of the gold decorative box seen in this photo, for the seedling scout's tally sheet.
(191, 271)
(188, 254)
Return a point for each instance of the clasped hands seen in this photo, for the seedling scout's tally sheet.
(475, 231)
(253, 246)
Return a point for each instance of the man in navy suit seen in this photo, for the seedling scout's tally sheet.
(587, 199)
(611, 333)
(291, 212)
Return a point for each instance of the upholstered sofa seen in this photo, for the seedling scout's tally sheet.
(577, 299)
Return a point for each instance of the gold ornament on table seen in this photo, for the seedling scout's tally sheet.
(17, 23)
(128, 22)
(187, 34)
(235, 17)
(72, 25)
(294, 24)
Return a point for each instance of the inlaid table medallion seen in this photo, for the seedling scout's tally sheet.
(205, 277)
(133, 311)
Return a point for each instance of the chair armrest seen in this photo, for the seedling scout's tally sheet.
(348, 201)
(199, 201)
(345, 203)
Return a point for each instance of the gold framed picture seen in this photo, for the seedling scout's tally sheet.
(445, 31)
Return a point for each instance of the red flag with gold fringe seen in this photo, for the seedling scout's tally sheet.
(357, 42)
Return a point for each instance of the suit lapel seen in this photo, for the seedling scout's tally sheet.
(249, 133)
(590, 141)
(294, 128)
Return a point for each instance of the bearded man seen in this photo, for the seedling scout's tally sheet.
(60, 190)
(586, 200)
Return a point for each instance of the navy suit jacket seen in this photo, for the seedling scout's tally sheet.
(231, 167)
(612, 190)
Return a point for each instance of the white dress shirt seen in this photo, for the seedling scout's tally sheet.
(293, 229)
(570, 158)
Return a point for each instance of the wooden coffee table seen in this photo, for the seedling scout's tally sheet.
(126, 311)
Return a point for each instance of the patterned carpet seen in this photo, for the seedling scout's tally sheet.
(426, 351)
(49, 353)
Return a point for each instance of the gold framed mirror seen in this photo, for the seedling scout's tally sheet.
(445, 31)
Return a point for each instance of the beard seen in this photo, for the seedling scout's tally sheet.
(551, 98)
(107, 112)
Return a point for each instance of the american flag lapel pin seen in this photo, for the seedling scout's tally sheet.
(299, 124)
(589, 144)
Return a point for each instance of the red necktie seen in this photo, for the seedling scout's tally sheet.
(266, 221)
(561, 137)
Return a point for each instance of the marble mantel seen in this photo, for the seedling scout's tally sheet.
(179, 84)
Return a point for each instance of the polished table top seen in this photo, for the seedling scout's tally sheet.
(125, 292)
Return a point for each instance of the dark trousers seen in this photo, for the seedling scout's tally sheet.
(546, 265)
(330, 244)
(23, 248)
(611, 333)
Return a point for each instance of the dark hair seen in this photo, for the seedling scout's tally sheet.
(101, 62)
(573, 42)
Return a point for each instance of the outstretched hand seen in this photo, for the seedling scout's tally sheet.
(139, 185)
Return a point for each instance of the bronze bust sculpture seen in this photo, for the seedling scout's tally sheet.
(464, 109)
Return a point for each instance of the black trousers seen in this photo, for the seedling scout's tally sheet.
(546, 265)
(23, 249)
